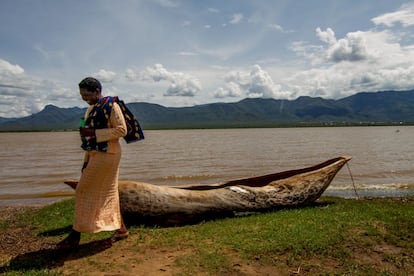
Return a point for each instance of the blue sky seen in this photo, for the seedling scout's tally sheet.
(184, 53)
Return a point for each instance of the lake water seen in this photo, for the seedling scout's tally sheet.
(34, 165)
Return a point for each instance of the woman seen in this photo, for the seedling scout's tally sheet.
(96, 198)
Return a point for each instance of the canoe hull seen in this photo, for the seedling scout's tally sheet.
(286, 189)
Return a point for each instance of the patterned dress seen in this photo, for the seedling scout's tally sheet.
(97, 198)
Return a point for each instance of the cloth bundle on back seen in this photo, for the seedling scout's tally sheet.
(98, 118)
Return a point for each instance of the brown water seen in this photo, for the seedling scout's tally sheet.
(34, 165)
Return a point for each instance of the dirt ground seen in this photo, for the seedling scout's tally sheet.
(22, 248)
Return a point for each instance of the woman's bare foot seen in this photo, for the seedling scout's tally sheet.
(120, 234)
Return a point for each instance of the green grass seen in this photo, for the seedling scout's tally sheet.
(336, 231)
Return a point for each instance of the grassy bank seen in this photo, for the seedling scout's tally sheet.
(335, 236)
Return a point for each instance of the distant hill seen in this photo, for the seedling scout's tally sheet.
(387, 107)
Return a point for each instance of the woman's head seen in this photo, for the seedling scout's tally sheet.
(90, 90)
(90, 84)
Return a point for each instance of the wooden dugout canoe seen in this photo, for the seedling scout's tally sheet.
(177, 204)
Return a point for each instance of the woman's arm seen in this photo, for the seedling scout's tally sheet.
(117, 127)
(85, 160)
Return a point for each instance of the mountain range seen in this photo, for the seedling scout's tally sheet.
(385, 107)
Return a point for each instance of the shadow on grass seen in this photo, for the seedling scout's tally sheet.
(57, 232)
(182, 219)
(53, 258)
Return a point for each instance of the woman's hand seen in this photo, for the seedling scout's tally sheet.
(87, 131)
(85, 164)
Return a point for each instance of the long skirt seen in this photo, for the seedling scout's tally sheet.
(97, 198)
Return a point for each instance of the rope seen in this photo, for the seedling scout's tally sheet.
(353, 182)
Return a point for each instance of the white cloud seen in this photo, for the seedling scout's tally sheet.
(7, 69)
(394, 78)
(312, 53)
(231, 90)
(167, 3)
(351, 48)
(371, 60)
(13, 82)
(327, 36)
(261, 83)
(180, 84)
(130, 74)
(279, 28)
(213, 10)
(183, 85)
(361, 61)
(236, 18)
(369, 46)
(330, 82)
(240, 77)
(156, 73)
(187, 54)
(14, 89)
(23, 95)
(186, 23)
(104, 75)
(276, 27)
(256, 83)
(404, 16)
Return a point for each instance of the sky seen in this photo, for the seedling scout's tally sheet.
(188, 52)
